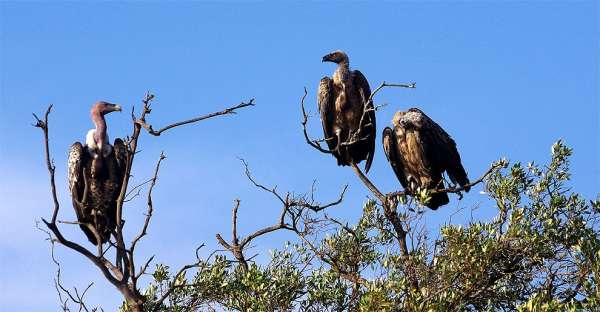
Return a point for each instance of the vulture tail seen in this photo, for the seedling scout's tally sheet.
(437, 200)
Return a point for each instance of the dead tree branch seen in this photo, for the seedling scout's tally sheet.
(77, 298)
(290, 204)
(456, 189)
(43, 124)
(230, 110)
(314, 143)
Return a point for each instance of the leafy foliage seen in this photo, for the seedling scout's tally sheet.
(540, 253)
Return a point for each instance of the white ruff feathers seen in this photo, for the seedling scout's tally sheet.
(93, 147)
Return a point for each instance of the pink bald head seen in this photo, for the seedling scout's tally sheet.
(104, 108)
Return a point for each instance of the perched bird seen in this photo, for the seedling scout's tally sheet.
(348, 119)
(96, 172)
(419, 151)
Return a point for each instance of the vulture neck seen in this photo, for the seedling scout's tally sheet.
(100, 123)
(342, 73)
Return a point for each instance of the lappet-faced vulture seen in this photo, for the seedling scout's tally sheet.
(96, 172)
(420, 151)
(348, 120)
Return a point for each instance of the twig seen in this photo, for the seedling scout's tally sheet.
(314, 143)
(150, 210)
(452, 189)
(43, 124)
(77, 298)
(237, 244)
(230, 110)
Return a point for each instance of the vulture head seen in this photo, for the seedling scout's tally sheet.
(104, 108)
(397, 117)
(336, 57)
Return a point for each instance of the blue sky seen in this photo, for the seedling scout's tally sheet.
(505, 79)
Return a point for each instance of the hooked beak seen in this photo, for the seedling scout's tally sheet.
(117, 108)
(326, 58)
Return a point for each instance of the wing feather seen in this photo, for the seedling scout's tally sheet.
(390, 147)
(369, 126)
(440, 148)
(75, 173)
(326, 105)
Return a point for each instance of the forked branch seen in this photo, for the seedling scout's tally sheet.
(292, 206)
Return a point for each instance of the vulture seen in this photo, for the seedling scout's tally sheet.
(420, 151)
(348, 120)
(95, 174)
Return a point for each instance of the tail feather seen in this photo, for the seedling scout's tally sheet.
(437, 200)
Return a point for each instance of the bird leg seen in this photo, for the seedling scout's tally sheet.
(338, 134)
(412, 184)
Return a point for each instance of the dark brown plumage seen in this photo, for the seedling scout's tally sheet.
(420, 151)
(102, 167)
(341, 102)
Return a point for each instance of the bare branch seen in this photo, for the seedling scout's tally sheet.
(230, 110)
(143, 232)
(237, 244)
(452, 189)
(236, 247)
(314, 143)
(272, 191)
(60, 289)
(393, 85)
(43, 124)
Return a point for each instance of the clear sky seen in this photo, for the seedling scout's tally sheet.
(505, 79)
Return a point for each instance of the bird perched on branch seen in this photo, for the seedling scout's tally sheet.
(347, 113)
(96, 172)
(420, 151)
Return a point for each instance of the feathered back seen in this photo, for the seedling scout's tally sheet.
(326, 106)
(95, 203)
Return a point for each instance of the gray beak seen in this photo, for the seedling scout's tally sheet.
(117, 108)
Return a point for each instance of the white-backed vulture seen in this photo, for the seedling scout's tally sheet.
(348, 124)
(420, 151)
(96, 172)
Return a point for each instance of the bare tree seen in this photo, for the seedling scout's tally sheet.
(122, 273)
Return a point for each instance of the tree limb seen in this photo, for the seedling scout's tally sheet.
(230, 110)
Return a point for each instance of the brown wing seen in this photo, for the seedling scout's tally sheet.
(116, 163)
(75, 175)
(369, 126)
(419, 150)
(326, 104)
(78, 163)
(441, 149)
(390, 147)
(120, 155)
